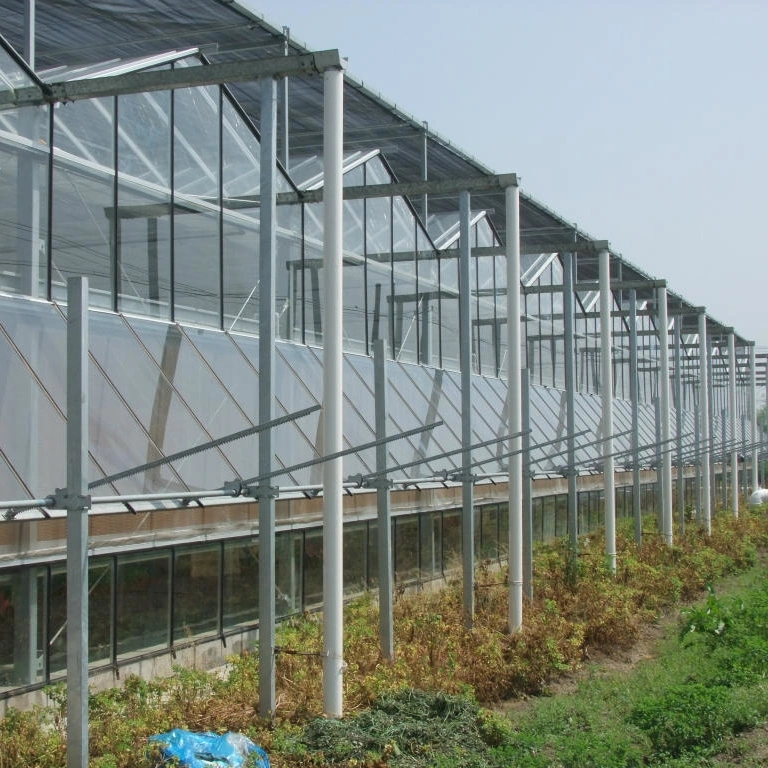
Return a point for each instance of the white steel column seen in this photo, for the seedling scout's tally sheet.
(733, 419)
(333, 584)
(264, 494)
(465, 364)
(76, 502)
(753, 415)
(664, 448)
(606, 395)
(703, 416)
(515, 408)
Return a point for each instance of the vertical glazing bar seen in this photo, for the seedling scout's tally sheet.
(525, 391)
(570, 406)
(77, 522)
(515, 407)
(753, 415)
(425, 171)
(734, 419)
(267, 247)
(465, 352)
(606, 394)
(679, 424)
(286, 111)
(666, 451)
(333, 583)
(635, 435)
(384, 521)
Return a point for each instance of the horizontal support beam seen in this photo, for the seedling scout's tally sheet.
(616, 285)
(168, 79)
(496, 182)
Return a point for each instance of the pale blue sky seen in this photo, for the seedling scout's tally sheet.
(643, 122)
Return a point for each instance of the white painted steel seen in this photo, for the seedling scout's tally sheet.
(515, 407)
(733, 419)
(703, 416)
(753, 414)
(606, 395)
(77, 522)
(666, 451)
(333, 584)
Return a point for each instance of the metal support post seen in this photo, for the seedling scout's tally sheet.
(734, 421)
(569, 341)
(679, 424)
(515, 408)
(606, 393)
(666, 454)
(266, 498)
(465, 352)
(753, 416)
(527, 473)
(723, 455)
(384, 524)
(635, 436)
(658, 462)
(286, 110)
(76, 502)
(333, 439)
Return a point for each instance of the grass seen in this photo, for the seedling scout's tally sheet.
(398, 712)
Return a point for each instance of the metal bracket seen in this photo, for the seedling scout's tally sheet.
(261, 491)
(235, 487)
(62, 499)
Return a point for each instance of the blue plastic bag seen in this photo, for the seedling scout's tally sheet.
(208, 750)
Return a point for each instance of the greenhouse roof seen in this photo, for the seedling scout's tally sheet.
(77, 38)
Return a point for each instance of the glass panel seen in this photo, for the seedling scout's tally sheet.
(355, 547)
(12, 74)
(195, 592)
(405, 297)
(561, 519)
(288, 273)
(38, 331)
(82, 227)
(99, 615)
(143, 602)
(429, 301)
(241, 583)
(184, 382)
(196, 219)
(449, 312)
(313, 568)
(144, 242)
(354, 277)
(451, 541)
(309, 288)
(489, 543)
(406, 545)
(288, 571)
(548, 513)
(24, 204)
(430, 532)
(22, 627)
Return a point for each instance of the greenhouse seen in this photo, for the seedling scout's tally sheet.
(176, 160)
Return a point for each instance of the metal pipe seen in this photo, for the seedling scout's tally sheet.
(679, 425)
(77, 503)
(265, 494)
(753, 414)
(525, 390)
(570, 401)
(666, 453)
(465, 353)
(514, 407)
(634, 400)
(384, 512)
(734, 421)
(333, 436)
(606, 393)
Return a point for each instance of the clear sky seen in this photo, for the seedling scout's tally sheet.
(643, 121)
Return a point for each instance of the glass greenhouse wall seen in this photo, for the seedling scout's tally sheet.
(154, 197)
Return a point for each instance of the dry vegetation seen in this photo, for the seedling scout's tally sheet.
(575, 612)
